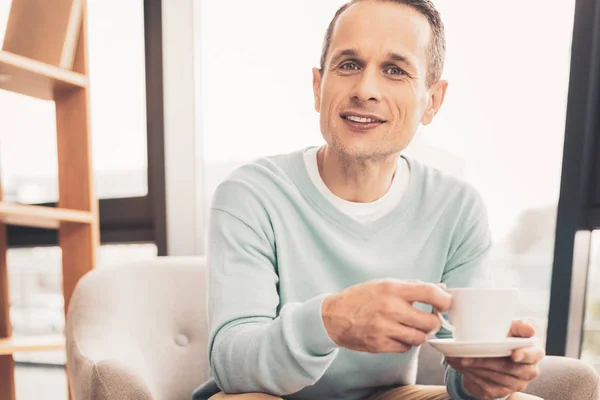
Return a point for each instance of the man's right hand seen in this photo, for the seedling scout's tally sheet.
(378, 316)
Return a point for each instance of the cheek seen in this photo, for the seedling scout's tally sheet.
(409, 106)
(406, 110)
(334, 93)
(330, 105)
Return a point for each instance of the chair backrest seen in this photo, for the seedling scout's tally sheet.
(158, 307)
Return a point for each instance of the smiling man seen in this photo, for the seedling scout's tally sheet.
(325, 264)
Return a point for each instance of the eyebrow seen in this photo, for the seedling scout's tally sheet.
(390, 56)
(345, 53)
(401, 59)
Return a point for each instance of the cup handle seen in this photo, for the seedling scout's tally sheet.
(445, 324)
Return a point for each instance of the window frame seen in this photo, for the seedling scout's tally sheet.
(578, 213)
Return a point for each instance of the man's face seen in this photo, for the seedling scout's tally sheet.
(372, 93)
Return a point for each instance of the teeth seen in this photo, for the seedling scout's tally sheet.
(359, 119)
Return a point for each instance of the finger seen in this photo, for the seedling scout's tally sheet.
(388, 346)
(504, 366)
(453, 361)
(459, 368)
(531, 321)
(520, 328)
(500, 379)
(463, 362)
(408, 315)
(473, 387)
(426, 293)
(528, 355)
(406, 334)
(455, 364)
(490, 390)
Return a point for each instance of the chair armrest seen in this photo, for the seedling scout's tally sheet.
(563, 378)
(139, 331)
(106, 380)
(110, 368)
(104, 360)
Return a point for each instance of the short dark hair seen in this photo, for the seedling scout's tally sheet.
(437, 46)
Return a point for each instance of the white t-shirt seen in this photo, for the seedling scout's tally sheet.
(362, 212)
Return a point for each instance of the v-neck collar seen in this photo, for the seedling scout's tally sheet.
(360, 229)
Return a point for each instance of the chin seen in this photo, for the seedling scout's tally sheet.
(360, 151)
(364, 146)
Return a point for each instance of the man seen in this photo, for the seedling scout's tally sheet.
(325, 264)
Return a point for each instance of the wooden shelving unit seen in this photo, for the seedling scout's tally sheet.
(35, 61)
(41, 217)
(36, 79)
(10, 346)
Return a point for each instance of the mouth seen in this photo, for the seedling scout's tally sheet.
(362, 122)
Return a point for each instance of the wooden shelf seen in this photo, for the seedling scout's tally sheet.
(36, 79)
(31, 343)
(40, 216)
(45, 55)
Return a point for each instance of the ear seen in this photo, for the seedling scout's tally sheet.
(437, 93)
(317, 88)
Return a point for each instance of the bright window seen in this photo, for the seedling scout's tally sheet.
(501, 128)
(28, 156)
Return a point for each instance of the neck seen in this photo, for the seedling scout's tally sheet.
(356, 180)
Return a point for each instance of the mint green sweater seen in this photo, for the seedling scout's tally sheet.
(277, 247)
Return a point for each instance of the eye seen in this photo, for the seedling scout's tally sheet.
(349, 66)
(394, 71)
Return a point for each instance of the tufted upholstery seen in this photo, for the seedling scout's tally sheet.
(139, 332)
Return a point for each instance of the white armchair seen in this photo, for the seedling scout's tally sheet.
(139, 332)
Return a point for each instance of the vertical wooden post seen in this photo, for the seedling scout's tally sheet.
(78, 242)
(75, 181)
(7, 363)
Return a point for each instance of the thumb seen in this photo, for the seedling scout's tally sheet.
(520, 328)
(444, 287)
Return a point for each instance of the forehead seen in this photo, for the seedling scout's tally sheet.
(377, 28)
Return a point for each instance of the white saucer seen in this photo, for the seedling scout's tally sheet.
(503, 348)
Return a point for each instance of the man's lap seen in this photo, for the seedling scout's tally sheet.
(410, 392)
(422, 392)
(413, 392)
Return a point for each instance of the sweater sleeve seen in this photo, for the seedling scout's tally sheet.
(252, 346)
(467, 267)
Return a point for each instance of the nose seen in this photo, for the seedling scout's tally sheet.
(367, 86)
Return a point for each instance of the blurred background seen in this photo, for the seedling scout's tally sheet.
(236, 85)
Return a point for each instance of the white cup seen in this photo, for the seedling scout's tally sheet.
(482, 314)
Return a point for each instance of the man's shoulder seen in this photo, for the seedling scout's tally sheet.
(261, 170)
(257, 180)
(451, 190)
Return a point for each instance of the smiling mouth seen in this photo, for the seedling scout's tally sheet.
(362, 120)
(362, 123)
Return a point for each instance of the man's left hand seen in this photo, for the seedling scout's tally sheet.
(492, 378)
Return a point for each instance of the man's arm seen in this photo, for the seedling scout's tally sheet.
(251, 349)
